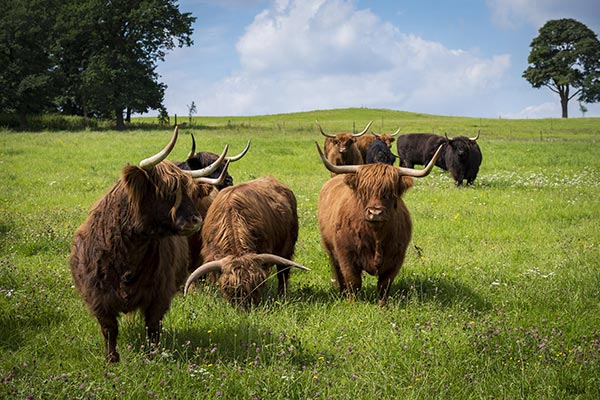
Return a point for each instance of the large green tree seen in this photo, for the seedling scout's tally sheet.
(27, 68)
(109, 53)
(565, 57)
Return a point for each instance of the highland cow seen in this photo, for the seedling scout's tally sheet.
(341, 148)
(417, 148)
(248, 228)
(131, 253)
(364, 223)
(364, 142)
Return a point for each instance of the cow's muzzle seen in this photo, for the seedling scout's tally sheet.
(191, 226)
(375, 214)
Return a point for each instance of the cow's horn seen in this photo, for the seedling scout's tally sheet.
(193, 150)
(448, 138)
(242, 154)
(207, 268)
(216, 181)
(268, 258)
(336, 169)
(364, 130)
(323, 132)
(150, 162)
(419, 173)
(476, 137)
(395, 133)
(198, 173)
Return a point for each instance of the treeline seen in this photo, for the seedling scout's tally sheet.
(95, 59)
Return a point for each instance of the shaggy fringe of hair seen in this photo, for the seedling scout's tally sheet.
(242, 278)
(381, 181)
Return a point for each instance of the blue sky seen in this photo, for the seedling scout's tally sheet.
(460, 58)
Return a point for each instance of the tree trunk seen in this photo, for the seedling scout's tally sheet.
(128, 118)
(120, 123)
(564, 103)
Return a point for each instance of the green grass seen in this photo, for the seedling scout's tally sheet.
(499, 296)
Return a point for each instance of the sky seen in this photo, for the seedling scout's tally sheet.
(453, 58)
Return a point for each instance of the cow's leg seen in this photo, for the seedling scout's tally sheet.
(153, 316)
(384, 283)
(109, 325)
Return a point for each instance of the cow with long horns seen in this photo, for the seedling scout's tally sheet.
(131, 251)
(249, 228)
(364, 142)
(341, 148)
(461, 155)
(364, 223)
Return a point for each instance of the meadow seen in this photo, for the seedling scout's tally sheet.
(498, 298)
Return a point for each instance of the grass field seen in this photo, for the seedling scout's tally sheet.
(499, 296)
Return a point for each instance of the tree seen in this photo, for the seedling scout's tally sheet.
(110, 52)
(191, 111)
(27, 73)
(564, 56)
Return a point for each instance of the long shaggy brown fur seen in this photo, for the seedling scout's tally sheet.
(255, 217)
(342, 150)
(365, 225)
(127, 254)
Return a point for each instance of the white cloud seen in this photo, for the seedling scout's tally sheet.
(513, 13)
(311, 54)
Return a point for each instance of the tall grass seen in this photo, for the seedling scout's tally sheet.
(498, 296)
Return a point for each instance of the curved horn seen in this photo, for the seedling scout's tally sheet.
(242, 154)
(207, 268)
(216, 181)
(448, 138)
(323, 132)
(193, 150)
(395, 133)
(336, 169)
(198, 173)
(476, 137)
(150, 162)
(419, 173)
(268, 258)
(364, 130)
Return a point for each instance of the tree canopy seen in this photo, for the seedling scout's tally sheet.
(565, 57)
(87, 57)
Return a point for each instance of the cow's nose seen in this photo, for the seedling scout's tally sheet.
(375, 214)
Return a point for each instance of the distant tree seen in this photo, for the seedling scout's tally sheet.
(27, 73)
(583, 109)
(564, 56)
(191, 111)
(109, 53)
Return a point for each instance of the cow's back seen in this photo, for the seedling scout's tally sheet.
(259, 216)
(418, 148)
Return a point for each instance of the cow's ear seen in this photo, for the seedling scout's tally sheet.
(136, 182)
(350, 180)
(404, 183)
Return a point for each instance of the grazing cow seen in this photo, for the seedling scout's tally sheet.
(364, 224)
(341, 148)
(248, 228)
(131, 253)
(205, 194)
(364, 142)
(204, 158)
(417, 148)
(379, 152)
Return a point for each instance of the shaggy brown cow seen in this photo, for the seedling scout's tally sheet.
(248, 228)
(130, 252)
(364, 142)
(364, 224)
(341, 148)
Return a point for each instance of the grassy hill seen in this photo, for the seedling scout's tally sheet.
(498, 296)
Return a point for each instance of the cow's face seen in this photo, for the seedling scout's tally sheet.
(387, 139)
(343, 142)
(160, 200)
(241, 280)
(460, 147)
(379, 188)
